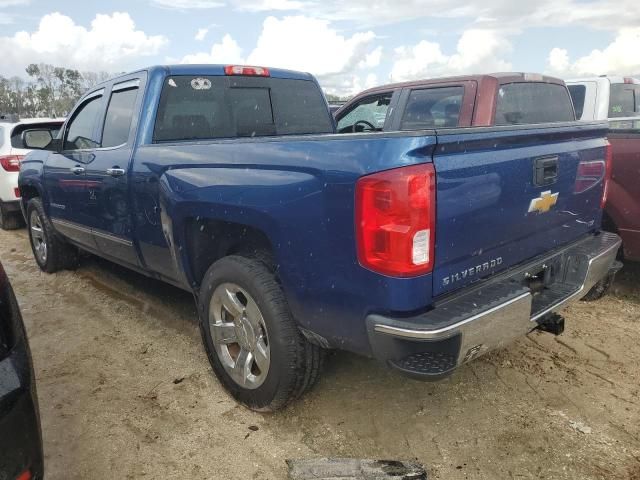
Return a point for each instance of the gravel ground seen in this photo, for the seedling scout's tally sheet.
(126, 392)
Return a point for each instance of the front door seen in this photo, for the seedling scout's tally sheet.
(65, 172)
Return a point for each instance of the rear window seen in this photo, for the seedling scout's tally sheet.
(433, 107)
(533, 102)
(578, 93)
(194, 108)
(624, 100)
(117, 122)
(16, 134)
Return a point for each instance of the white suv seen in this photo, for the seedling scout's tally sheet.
(15, 138)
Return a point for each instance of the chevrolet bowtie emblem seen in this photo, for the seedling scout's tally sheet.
(544, 202)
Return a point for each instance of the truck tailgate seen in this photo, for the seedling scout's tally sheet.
(507, 194)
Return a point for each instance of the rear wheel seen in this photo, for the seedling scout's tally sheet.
(251, 339)
(10, 220)
(52, 253)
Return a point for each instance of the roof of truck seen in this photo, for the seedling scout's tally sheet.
(501, 77)
(210, 69)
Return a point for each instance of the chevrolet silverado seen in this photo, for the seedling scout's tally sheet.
(420, 247)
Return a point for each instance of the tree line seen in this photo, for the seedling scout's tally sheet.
(48, 91)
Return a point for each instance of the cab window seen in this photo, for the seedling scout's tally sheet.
(81, 130)
(368, 115)
(533, 102)
(433, 108)
(117, 122)
(623, 101)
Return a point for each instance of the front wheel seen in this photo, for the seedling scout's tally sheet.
(251, 339)
(51, 252)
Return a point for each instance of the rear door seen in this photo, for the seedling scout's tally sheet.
(509, 193)
(108, 202)
(64, 172)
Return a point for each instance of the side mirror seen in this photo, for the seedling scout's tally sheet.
(55, 145)
(37, 139)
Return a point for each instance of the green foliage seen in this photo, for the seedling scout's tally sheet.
(49, 91)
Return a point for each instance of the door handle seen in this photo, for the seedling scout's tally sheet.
(77, 170)
(115, 172)
(545, 171)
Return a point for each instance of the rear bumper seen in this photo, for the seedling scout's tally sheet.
(11, 206)
(465, 325)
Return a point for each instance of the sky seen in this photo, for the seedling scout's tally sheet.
(348, 45)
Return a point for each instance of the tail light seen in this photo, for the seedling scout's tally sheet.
(11, 163)
(246, 70)
(591, 173)
(16, 192)
(395, 221)
(608, 158)
(26, 475)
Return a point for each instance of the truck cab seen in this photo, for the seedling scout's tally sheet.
(498, 99)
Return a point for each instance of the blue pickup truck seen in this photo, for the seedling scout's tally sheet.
(423, 248)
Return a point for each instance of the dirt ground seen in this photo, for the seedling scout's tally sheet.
(126, 392)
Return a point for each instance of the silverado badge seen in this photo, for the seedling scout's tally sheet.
(544, 202)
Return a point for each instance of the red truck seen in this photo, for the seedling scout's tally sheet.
(617, 99)
(466, 101)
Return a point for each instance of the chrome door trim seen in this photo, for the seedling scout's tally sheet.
(93, 231)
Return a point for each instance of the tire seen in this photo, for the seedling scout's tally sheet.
(56, 254)
(293, 364)
(10, 220)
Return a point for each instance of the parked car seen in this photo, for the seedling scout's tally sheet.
(17, 137)
(20, 439)
(422, 248)
(618, 100)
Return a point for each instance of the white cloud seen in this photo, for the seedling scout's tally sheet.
(112, 43)
(187, 4)
(201, 33)
(227, 51)
(372, 59)
(477, 51)
(558, 59)
(317, 48)
(371, 81)
(269, 5)
(603, 14)
(619, 57)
